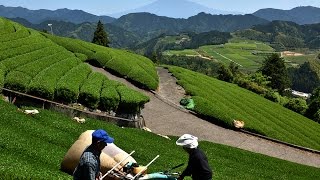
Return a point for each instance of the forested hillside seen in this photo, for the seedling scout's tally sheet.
(181, 41)
(284, 35)
(148, 26)
(299, 15)
(38, 16)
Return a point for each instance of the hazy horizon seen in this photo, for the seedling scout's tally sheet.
(99, 7)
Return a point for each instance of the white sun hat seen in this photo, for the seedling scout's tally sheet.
(188, 141)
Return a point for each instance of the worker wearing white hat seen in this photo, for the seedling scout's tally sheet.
(198, 166)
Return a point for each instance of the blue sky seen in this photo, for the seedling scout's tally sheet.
(103, 7)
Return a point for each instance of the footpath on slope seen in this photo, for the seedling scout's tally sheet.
(163, 117)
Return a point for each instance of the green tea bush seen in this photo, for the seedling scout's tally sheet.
(6, 27)
(81, 56)
(35, 67)
(23, 50)
(91, 89)
(68, 86)
(110, 99)
(44, 84)
(222, 102)
(130, 100)
(18, 81)
(13, 36)
(119, 61)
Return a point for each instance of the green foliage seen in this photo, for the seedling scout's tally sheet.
(68, 85)
(131, 101)
(224, 73)
(306, 77)
(18, 81)
(44, 139)
(110, 99)
(274, 67)
(100, 37)
(82, 57)
(298, 105)
(118, 61)
(314, 105)
(284, 35)
(44, 83)
(222, 102)
(91, 89)
(37, 65)
(197, 64)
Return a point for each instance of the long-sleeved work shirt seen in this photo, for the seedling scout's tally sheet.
(198, 166)
(89, 165)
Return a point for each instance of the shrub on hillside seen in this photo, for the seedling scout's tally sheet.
(17, 81)
(109, 100)
(252, 86)
(81, 56)
(131, 101)
(69, 92)
(297, 105)
(91, 89)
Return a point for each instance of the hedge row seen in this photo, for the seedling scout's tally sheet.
(22, 50)
(44, 83)
(70, 44)
(82, 57)
(5, 27)
(222, 102)
(68, 86)
(110, 98)
(38, 65)
(16, 35)
(91, 89)
(22, 59)
(129, 99)
(18, 81)
(119, 61)
(32, 39)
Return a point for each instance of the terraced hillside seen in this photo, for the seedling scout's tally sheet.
(34, 64)
(221, 102)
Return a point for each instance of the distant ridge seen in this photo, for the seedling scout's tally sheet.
(174, 9)
(38, 16)
(299, 15)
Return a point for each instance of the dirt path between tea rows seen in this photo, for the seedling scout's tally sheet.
(164, 116)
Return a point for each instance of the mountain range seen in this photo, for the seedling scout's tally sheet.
(299, 15)
(38, 16)
(174, 9)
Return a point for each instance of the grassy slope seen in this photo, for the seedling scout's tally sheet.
(32, 147)
(224, 102)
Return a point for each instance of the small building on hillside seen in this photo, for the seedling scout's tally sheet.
(300, 94)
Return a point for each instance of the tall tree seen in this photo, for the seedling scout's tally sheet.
(100, 36)
(313, 111)
(274, 67)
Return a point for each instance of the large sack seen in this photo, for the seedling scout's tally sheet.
(109, 157)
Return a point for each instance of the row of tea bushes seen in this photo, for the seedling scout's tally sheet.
(134, 67)
(36, 65)
(223, 102)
